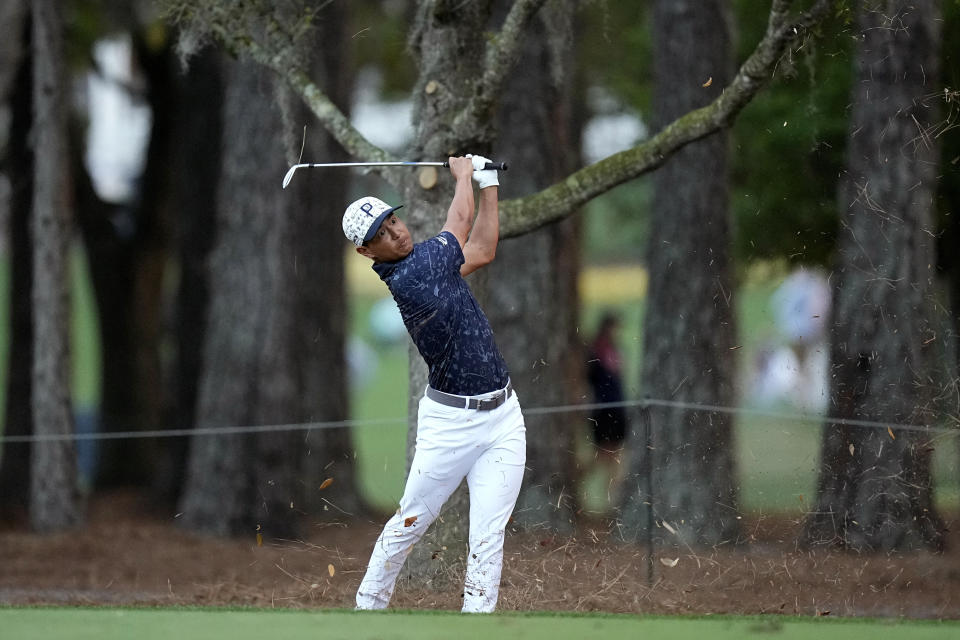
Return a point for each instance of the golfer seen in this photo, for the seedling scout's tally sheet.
(469, 422)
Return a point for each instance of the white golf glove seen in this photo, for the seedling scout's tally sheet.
(484, 177)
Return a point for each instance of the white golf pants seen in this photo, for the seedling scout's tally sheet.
(489, 448)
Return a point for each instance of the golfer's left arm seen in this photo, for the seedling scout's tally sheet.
(481, 248)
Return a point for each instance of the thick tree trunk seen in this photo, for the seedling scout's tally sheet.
(196, 164)
(247, 372)
(54, 499)
(274, 335)
(246, 365)
(442, 33)
(949, 192)
(875, 489)
(154, 238)
(535, 317)
(320, 294)
(17, 164)
(689, 328)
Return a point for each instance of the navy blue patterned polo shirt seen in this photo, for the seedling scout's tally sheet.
(450, 330)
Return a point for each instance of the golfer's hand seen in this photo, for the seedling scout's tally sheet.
(460, 167)
(484, 177)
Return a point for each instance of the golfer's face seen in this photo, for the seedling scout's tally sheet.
(392, 241)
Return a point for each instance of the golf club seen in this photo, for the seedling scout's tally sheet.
(499, 166)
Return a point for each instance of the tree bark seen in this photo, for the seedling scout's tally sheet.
(320, 293)
(246, 365)
(196, 159)
(689, 326)
(441, 32)
(18, 165)
(875, 489)
(54, 498)
(275, 334)
(535, 317)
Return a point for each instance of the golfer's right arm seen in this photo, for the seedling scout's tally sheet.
(460, 213)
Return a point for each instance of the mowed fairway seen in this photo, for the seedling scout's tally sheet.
(214, 624)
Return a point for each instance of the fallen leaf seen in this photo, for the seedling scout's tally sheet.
(708, 82)
(890, 431)
(666, 525)
(409, 521)
(851, 448)
(331, 570)
(667, 562)
(326, 483)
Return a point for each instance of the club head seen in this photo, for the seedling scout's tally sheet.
(287, 178)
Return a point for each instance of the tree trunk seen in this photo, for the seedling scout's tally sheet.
(442, 31)
(18, 165)
(153, 252)
(246, 364)
(535, 317)
(54, 499)
(274, 335)
(320, 293)
(196, 163)
(689, 327)
(875, 489)
(949, 194)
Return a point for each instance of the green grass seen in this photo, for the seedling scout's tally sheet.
(778, 463)
(381, 401)
(149, 624)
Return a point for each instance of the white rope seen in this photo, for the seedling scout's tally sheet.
(382, 422)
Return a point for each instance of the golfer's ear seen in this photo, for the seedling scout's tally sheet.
(365, 251)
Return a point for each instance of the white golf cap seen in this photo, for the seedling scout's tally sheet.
(363, 217)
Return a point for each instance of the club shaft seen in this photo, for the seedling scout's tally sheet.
(370, 164)
(497, 166)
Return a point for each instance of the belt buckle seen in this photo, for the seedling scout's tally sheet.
(490, 403)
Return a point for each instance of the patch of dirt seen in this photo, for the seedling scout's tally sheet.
(126, 557)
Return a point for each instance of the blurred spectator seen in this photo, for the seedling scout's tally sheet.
(796, 369)
(605, 377)
(801, 304)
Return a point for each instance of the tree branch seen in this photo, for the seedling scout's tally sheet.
(498, 61)
(558, 201)
(268, 36)
(332, 118)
